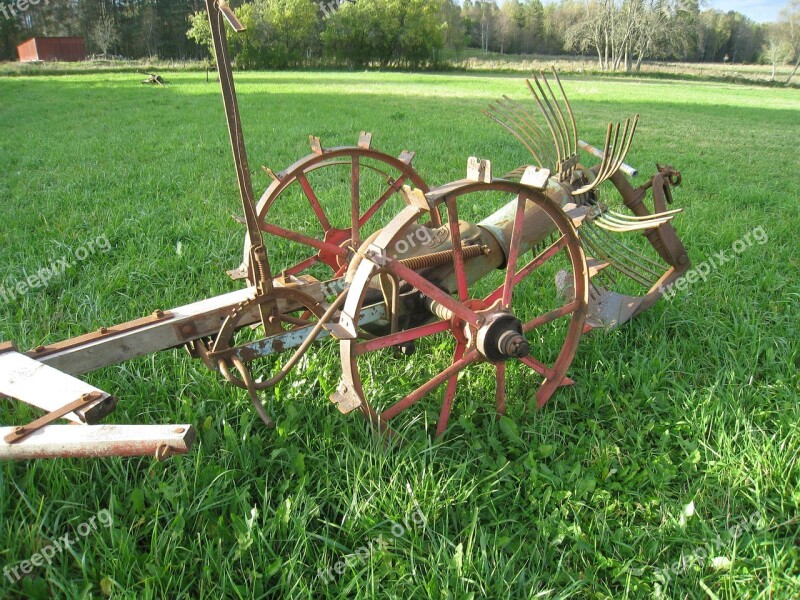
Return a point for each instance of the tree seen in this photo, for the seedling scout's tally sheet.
(790, 18)
(105, 34)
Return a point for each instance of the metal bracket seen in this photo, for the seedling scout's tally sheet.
(24, 431)
(535, 177)
(479, 170)
(365, 140)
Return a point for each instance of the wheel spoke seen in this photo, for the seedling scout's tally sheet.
(500, 388)
(541, 368)
(513, 252)
(355, 204)
(302, 239)
(551, 316)
(316, 206)
(382, 200)
(302, 266)
(469, 358)
(449, 393)
(401, 337)
(433, 292)
(537, 262)
(458, 252)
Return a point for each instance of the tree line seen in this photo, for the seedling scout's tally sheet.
(620, 34)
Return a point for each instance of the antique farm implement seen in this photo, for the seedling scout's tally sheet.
(497, 276)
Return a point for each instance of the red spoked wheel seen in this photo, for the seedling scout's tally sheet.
(323, 205)
(512, 324)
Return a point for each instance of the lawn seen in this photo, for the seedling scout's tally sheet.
(671, 469)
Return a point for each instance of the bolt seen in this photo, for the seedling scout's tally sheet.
(39, 349)
(158, 313)
(180, 430)
(186, 329)
(515, 345)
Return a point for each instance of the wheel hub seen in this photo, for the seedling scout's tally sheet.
(501, 338)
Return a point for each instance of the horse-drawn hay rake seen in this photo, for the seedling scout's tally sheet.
(496, 275)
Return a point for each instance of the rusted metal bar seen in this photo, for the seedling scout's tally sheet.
(95, 441)
(22, 431)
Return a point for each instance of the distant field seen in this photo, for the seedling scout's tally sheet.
(470, 60)
(671, 469)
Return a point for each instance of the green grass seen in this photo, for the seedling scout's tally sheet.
(695, 401)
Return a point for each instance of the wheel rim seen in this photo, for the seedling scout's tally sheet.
(470, 300)
(309, 209)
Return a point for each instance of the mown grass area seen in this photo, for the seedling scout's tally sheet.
(669, 470)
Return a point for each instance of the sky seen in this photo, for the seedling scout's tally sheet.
(761, 12)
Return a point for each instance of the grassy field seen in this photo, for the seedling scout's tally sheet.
(671, 469)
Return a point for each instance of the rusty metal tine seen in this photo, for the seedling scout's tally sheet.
(597, 181)
(608, 158)
(533, 126)
(625, 143)
(648, 222)
(513, 132)
(569, 111)
(616, 261)
(617, 228)
(619, 147)
(514, 119)
(622, 228)
(552, 119)
(510, 111)
(634, 218)
(528, 142)
(544, 113)
(635, 253)
(631, 255)
(562, 120)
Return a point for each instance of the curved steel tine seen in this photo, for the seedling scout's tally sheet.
(520, 133)
(612, 226)
(621, 254)
(634, 218)
(546, 117)
(533, 126)
(636, 254)
(624, 221)
(552, 116)
(538, 135)
(617, 162)
(635, 224)
(627, 138)
(628, 144)
(514, 133)
(597, 181)
(608, 158)
(505, 112)
(607, 254)
(562, 120)
(569, 111)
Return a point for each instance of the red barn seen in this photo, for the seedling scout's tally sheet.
(69, 49)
